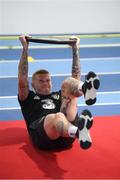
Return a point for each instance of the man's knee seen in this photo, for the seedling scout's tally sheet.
(51, 123)
(51, 119)
(60, 115)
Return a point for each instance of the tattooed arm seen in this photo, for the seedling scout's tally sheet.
(23, 85)
(76, 69)
(70, 86)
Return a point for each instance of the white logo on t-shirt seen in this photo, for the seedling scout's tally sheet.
(48, 104)
(55, 96)
(37, 97)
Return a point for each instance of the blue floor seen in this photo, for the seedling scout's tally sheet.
(101, 55)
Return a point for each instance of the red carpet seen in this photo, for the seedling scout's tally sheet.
(20, 160)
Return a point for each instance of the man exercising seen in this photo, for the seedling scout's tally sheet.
(51, 117)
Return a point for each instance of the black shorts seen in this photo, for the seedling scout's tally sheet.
(41, 139)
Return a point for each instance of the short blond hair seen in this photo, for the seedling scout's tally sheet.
(41, 71)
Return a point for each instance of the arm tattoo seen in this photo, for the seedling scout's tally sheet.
(24, 68)
(23, 65)
(23, 85)
(76, 63)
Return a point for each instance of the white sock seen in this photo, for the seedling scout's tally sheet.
(72, 130)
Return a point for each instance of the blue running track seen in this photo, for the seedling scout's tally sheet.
(101, 55)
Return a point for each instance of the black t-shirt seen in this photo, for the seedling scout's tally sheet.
(36, 105)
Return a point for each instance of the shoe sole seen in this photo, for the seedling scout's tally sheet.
(84, 128)
(92, 83)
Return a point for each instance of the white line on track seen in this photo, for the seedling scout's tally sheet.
(57, 75)
(62, 60)
(61, 46)
(13, 108)
(107, 92)
(101, 104)
(79, 105)
(8, 97)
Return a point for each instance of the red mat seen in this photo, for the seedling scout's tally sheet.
(20, 160)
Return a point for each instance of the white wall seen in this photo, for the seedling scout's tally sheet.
(59, 16)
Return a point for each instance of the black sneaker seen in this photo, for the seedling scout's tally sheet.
(90, 87)
(84, 124)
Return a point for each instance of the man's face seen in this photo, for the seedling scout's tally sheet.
(42, 84)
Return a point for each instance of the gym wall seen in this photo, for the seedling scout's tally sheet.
(59, 16)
